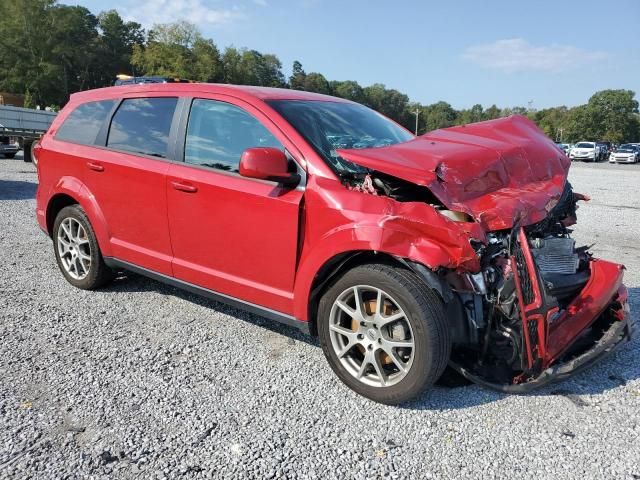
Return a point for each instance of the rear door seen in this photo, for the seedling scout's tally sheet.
(127, 176)
(231, 234)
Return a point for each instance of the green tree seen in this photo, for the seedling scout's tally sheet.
(612, 115)
(168, 51)
(250, 67)
(551, 121)
(576, 125)
(28, 100)
(492, 113)
(474, 114)
(115, 46)
(389, 102)
(298, 76)
(438, 115)
(207, 64)
(348, 89)
(315, 82)
(49, 49)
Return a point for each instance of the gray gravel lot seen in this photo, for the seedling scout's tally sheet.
(143, 380)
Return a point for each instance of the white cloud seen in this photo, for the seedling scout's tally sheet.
(517, 55)
(148, 12)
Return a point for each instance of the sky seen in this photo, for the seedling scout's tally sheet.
(507, 52)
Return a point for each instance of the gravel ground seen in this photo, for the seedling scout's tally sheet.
(143, 380)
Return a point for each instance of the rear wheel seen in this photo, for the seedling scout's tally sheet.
(384, 333)
(77, 251)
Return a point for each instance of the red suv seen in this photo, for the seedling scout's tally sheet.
(403, 254)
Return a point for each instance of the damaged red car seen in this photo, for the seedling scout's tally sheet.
(404, 254)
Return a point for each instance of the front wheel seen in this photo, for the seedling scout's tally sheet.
(384, 333)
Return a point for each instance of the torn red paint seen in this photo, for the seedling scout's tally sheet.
(501, 172)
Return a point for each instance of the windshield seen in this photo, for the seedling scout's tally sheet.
(626, 148)
(329, 126)
(584, 145)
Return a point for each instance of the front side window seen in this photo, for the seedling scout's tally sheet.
(330, 126)
(83, 124)
(219, 132)
(142, 125)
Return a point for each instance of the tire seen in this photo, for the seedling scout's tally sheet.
(26, 151)
(424, 323)
(88, 271)
(9, 155)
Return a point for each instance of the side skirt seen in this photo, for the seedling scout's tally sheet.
(219, 297)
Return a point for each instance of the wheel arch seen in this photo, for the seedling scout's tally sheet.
(71, 191)
(57, 203)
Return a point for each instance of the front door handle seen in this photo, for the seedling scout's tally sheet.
(95, 167)
(184, 187)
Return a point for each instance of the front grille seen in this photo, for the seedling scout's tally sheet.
(523, 274)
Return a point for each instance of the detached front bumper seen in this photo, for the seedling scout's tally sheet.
(619, 333)
(557, 343)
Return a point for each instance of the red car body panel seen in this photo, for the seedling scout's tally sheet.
(236, 216)
(604, 284)
(265, 244)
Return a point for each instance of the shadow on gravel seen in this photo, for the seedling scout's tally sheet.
(131, 282)
(17, 190)
(452, 391)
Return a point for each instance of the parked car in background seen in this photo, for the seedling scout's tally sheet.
(603, 151)
(625, 153)
(565, 147)
(403, 254)
(8, 148)
(608, 147)
(586, 151)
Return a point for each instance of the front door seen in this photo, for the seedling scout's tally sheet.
(230, 234)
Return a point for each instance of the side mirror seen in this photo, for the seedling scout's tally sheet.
(267, 163)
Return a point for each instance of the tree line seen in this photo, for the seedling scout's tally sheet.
(49, 50)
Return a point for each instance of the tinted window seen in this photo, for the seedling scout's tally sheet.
(83, 124)
(142, 125)
(219, 132)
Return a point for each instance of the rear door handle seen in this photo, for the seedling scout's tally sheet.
(184, 187)
(95, 166)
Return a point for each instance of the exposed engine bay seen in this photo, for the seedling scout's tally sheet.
(538, 265)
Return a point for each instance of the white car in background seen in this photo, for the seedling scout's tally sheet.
(587, 151)
(625, 153)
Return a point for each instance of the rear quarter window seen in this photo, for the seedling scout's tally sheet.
(83, 124)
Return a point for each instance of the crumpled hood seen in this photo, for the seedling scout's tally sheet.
(501, 172)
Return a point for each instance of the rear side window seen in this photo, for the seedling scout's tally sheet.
(219, 132)
(142, 125)
(83, 124)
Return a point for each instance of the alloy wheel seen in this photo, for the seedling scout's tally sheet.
(371, 336)
(74, 248)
